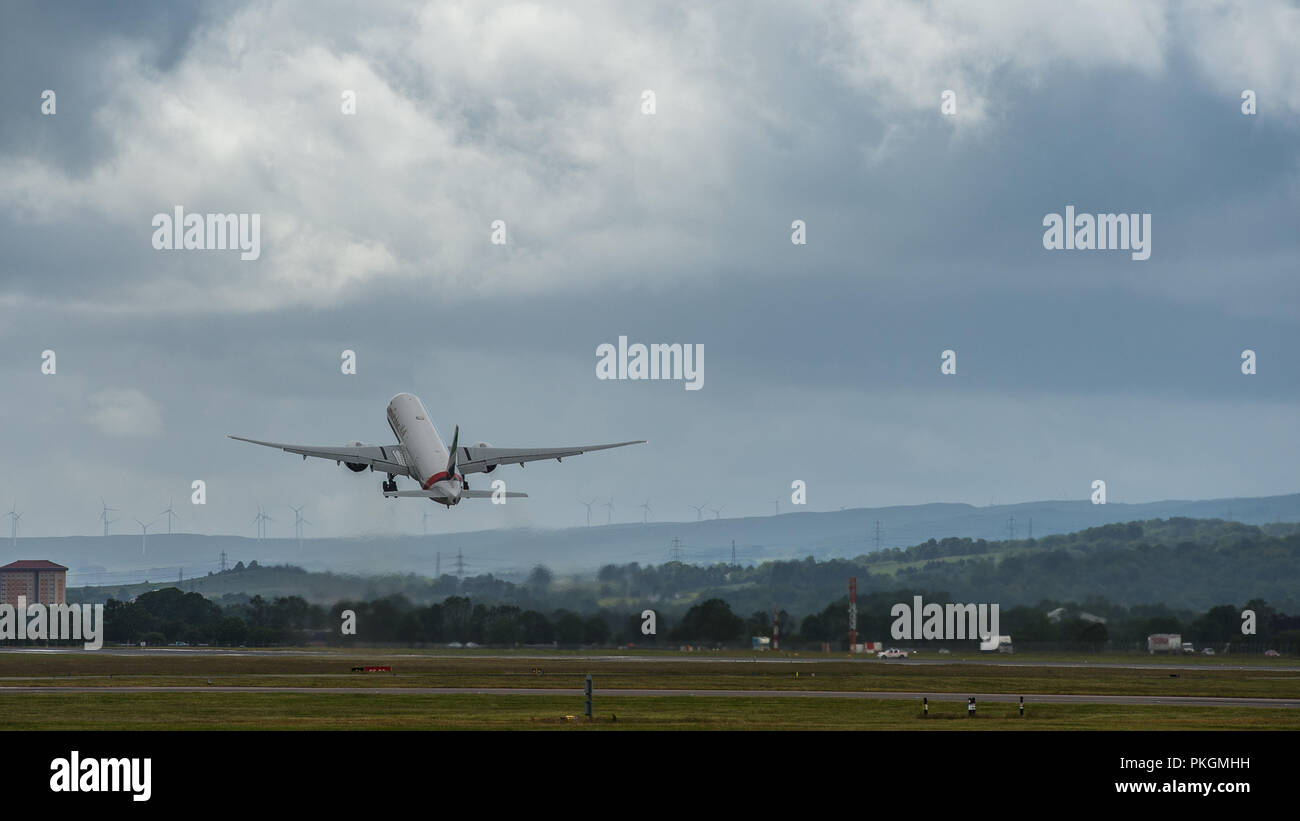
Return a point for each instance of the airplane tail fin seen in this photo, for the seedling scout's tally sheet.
(455, 451)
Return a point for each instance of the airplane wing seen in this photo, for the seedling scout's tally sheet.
(382, 458)
(478, 460)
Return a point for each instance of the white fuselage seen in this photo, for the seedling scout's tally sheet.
(426, 454)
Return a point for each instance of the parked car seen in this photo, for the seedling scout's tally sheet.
(1272, 653)
(1208, 651)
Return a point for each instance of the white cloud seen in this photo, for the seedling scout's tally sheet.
(908, 53)
(1253, 46)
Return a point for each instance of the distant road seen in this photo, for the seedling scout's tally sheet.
(1165, 701)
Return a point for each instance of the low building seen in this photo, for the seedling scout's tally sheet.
(36, 579)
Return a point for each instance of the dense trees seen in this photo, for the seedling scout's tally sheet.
(710, 621)
(540, 578)
(168, 615)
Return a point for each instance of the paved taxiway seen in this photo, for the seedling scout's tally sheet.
(655, 658)
(1180, 701)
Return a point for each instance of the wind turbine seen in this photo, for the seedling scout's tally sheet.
(13, 525)
(699, 510)
(610, 506)
(645, 517)
(169, 513)
(298, 521)
(588, 504)
(776, 503)
(104, 515)
(717, 511)
(144, 534)
(260, 520)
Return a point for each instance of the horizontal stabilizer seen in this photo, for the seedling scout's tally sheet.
(464, 494)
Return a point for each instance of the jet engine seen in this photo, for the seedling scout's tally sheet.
(486, 445)
(356, 467)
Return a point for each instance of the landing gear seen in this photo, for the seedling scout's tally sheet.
(390, 486)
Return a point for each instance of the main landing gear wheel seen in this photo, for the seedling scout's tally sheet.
(389, 487)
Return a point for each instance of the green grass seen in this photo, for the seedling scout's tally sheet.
(664, 670)
(891, 568)
(291, 711)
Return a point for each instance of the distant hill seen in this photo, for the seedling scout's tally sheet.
(1182, 563)
(510, 553)
(274, 581)
(1185, 564)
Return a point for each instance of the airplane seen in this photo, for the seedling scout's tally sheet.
(421, 455)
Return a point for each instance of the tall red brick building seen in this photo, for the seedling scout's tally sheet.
(37, 579)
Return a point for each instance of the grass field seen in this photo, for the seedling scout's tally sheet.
(50, 709)
(292, 711)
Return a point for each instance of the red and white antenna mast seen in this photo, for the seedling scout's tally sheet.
(853, 613)
(776, 630)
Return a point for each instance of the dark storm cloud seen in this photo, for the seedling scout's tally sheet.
(63, 47)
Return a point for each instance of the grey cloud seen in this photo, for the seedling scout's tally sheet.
(822, 360)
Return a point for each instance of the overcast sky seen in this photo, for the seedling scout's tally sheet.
(822, 361)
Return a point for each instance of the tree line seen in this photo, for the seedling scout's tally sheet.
(169, 615)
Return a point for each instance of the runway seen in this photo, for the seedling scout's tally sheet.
(1060, 698)
(657, 658)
